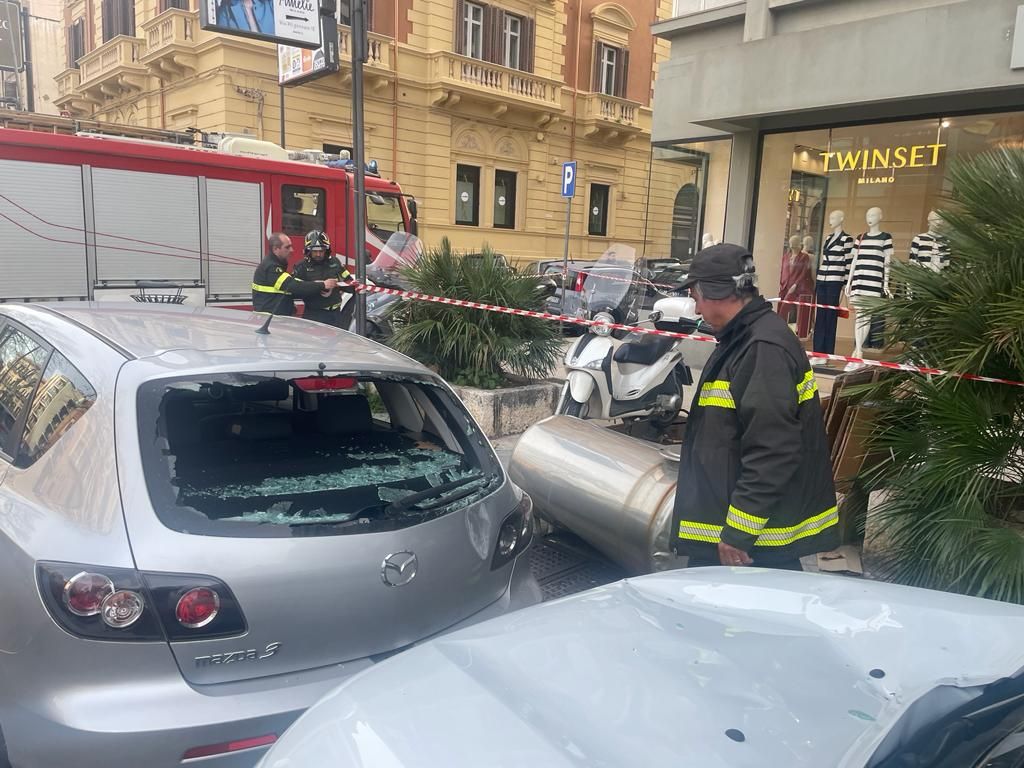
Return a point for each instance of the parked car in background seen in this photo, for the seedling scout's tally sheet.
(266, 516)
(709, 667)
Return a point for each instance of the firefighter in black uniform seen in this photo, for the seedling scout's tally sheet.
(273, 289)
(755, 476)
(320, 264)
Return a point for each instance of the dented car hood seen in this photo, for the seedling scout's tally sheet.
(709, 667)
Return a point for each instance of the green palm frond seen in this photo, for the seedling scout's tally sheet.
(470, 344)
(955, 507)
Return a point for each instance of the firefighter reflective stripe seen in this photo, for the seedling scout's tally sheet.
(345, 274)
(806, 388)
(280, 281)
(716, 394)
(741, 521)
(699, 531)
(769, 537)
(266, 288)
(779, 537)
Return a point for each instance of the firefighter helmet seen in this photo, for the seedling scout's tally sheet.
(317, 240)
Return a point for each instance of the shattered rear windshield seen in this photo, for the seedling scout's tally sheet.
(302, 455)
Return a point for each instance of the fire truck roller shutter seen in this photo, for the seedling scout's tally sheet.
(157, 208)
(235, 231)
(53, 193)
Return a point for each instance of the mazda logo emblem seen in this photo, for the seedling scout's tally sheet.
(399, 569)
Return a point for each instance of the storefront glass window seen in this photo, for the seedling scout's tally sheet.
(900, 168)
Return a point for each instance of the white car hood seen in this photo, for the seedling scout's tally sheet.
(709, 667)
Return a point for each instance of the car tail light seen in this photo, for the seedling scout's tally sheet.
(227, 747)
(514, 534)
(122, 608)
(197, 608)
(84, 593)
(325, 383)
(122, 604)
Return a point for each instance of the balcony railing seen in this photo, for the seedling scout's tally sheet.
(496, 81)
(613, 110)
(378, 52)
(67, 83)
(119, 58)
(172, 27)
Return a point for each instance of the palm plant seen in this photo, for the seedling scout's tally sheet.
(955, 467)
(468, 346)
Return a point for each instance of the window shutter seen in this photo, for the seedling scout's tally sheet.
(621, 73)
(460, 26)
(595, 83)
(493, 33)
(526, 46)
(369, 16)
(107, 12)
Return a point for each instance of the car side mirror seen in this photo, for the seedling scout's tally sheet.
(411, 204)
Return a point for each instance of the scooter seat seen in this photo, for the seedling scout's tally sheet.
(644, 351)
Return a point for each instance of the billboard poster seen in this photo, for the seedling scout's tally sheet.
(300, 65)
(287, 22)
(11, 58)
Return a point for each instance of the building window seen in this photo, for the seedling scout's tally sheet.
(345, 13)
(337, 149)
(597, 218)
(467, 195)
(473, 31)
(76, 43)
(302, 209)
(611, 68)
(505, 199)
(488, 33)
(118, 18)
(181, 5)
(512, 40)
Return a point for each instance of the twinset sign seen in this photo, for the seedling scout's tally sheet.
(888, 159)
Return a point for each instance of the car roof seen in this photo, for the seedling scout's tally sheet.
(141, 331)
(711, 667)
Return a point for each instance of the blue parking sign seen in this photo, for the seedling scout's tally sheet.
(569, 179)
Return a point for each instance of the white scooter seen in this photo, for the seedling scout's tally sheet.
(639, 378)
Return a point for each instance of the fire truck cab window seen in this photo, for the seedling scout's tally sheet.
(384, 215)
(302, 209)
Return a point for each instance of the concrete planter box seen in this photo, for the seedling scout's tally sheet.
(511, 410)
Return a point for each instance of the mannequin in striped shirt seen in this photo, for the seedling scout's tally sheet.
(833, 271)
(931, 249)
(869, 273)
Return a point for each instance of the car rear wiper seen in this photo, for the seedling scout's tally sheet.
(439, 492)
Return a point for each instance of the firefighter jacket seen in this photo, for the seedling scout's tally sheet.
(307, 269)
(755, 470)
(275, 291)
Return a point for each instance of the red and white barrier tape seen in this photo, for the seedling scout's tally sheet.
(843, 311)
(671, 334)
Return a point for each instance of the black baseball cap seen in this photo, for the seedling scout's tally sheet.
(718, 269)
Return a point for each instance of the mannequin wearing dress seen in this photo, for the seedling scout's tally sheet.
(869, 273)
(833, 272)
(796, 278)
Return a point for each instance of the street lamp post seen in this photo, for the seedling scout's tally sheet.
(359, 55)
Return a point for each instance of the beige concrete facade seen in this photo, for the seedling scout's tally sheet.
(429, 110)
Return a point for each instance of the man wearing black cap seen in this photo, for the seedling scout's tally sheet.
(755, 477)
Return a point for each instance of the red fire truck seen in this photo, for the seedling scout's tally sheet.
(102, 217)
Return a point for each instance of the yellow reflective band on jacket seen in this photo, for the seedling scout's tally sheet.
(345, 275)
(741, 521)
(806, 388)
(769, 537)
(266, 288)
(716, 394)
(280, 280)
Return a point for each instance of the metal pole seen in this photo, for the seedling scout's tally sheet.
(565, 254)
(283, 142)
(359, 46)
(30, 97)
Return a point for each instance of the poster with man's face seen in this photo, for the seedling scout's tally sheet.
(287, 22)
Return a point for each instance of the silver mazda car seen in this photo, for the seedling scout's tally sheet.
(204, 528)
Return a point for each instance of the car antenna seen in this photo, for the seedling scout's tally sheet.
(265, 328)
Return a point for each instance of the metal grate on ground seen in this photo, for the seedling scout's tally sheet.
(564, 565)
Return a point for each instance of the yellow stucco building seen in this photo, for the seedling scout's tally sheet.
(471, 106)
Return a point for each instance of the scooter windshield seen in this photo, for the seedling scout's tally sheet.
(608, 284)
(401, 251)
